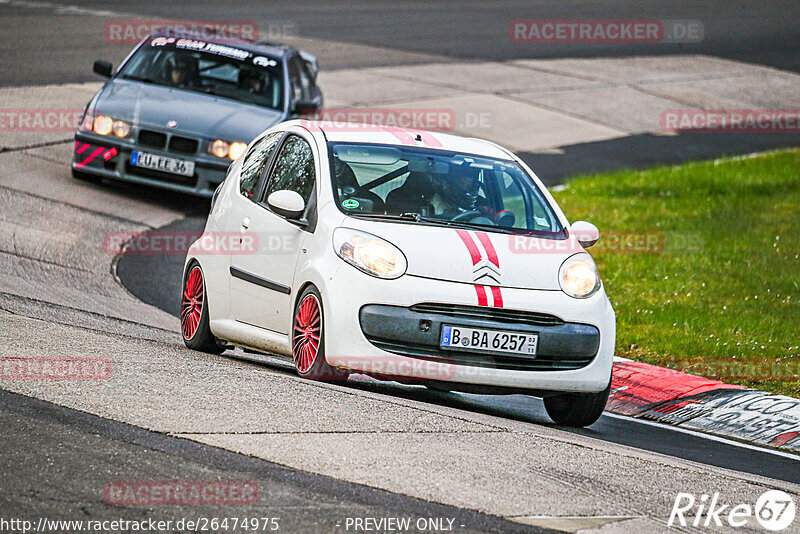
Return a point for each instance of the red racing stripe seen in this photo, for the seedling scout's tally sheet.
(429, 139)
(402, 135)
(483, 237)
(110, 153)
(82, 149)
(474, 253)
(497, 296)
(90, 158)
(481, 291)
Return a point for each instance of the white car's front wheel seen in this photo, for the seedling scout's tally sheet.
(194, 313)
(576, 409)
(308, 339)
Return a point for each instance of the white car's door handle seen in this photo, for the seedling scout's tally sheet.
(246, 223)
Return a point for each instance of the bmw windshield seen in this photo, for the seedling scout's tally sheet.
(438, 187)
(209, 68)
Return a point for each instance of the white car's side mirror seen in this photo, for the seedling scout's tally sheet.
(586, 233)
(287, 203)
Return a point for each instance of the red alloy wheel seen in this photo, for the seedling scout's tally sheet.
(192, 303)
(307, 333)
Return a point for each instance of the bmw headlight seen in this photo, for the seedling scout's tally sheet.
(369, 253)
(236, 150)
(578, 276)
(222, 149)
(104, 125)
(219, 148)
(121, 128)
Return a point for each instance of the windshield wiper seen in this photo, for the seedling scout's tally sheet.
(417, 218)
(463, 224)
(389, 216)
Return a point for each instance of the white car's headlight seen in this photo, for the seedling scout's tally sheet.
(578, 276)
(369, 253)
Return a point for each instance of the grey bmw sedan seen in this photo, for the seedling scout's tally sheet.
(179, 110)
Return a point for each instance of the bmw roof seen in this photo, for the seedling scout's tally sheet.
(249, 45)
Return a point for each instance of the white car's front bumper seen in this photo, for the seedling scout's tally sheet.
(348, 291)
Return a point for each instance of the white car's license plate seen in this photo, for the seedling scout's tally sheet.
(162, 163)
(479, 339)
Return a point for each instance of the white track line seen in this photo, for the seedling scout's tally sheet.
(712, 437)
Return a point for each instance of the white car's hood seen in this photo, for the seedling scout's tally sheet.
(476, 257)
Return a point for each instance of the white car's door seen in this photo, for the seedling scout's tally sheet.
(261, 283)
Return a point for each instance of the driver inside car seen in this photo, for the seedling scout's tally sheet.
(180, 70)
(250, 81)
(457, 193)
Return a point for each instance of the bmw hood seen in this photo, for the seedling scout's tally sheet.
(475, 256)
(196, 114)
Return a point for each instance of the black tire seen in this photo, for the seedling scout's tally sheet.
(86, 177)
(308, 365)
(199, 336)
(576, 409)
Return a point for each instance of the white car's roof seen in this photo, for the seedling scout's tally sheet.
(390, 135)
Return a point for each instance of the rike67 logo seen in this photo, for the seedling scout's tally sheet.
(774, 510)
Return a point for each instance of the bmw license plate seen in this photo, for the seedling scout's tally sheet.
(162, 163)
(479, 339)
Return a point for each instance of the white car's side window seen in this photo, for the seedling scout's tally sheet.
(294, 168)
(255, 161)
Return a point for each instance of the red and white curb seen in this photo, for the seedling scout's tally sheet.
(692, 402)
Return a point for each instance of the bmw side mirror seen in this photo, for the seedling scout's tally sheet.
(311, 64)
(306, 107)
(287, 204)
(103, 68)
(586, 233)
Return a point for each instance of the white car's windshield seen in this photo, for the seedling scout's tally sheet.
(219, 70)
(438, 187)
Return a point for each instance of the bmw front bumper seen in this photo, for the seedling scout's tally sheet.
(110, 157)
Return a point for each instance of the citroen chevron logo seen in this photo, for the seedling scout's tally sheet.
(486, 273)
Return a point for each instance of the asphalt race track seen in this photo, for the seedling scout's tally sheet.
(138, 272)
(319, 453)
(304, 502)
(35, 51)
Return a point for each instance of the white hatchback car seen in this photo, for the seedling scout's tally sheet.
(413, 256)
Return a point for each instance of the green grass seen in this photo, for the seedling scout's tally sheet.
(725, 287)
